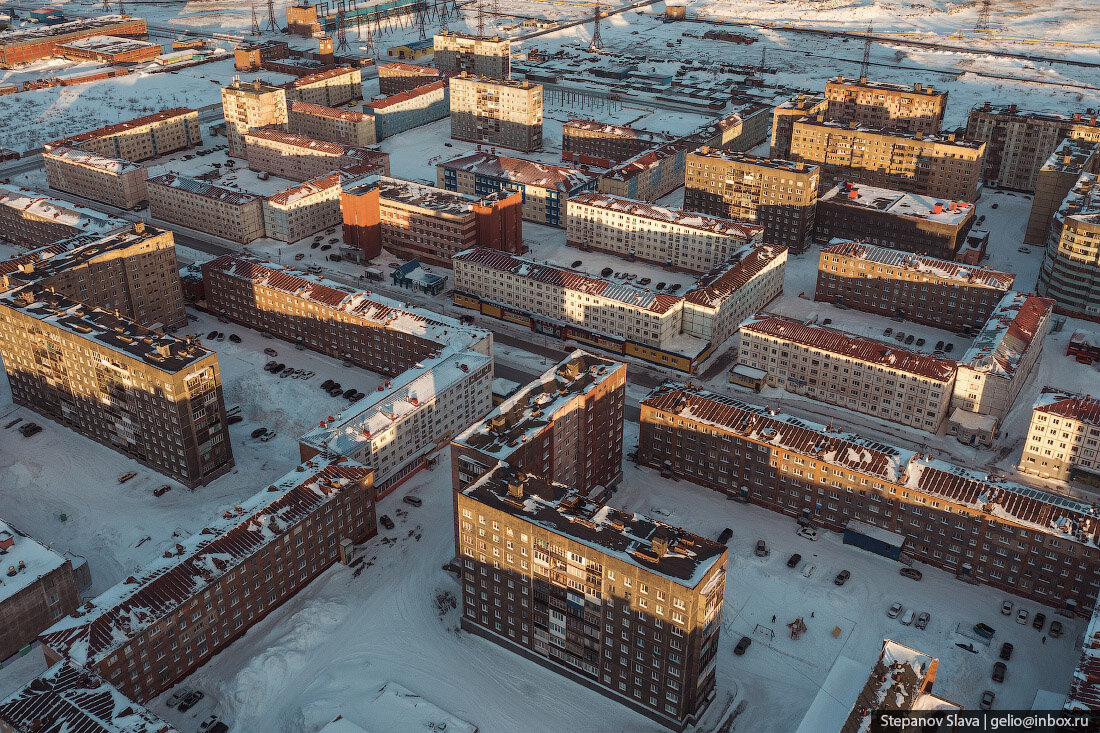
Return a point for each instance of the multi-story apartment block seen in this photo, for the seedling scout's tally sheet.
(342, 126)
(647, 176)
(993, 370)
(778, 194)
(786, 114)
(240, 568)
(400, 77)
(140, 139)
(894, 219)
(1054, 181)
(861, 374)
(460, 52)
(328, 88)
(427, 223)
(724, 297)
(673, 238)
(1018, 143)
(31, 220)
(916, 108)
(724, 132)
(38, 588)
(130, 272)
(97, 177)
(932, 165)
(546, 189)
(412, 108)
(591, 578)
(302, 158)
(253, 56)
(964, 521)
(898, 284)
(496, 112)
(250, 106)
(588, 142)
(154, 398)
(755, 116)
(30, 45)
(1070, 273)
(1063, 440)
(224, 212)
(567, 426)
(304, 209)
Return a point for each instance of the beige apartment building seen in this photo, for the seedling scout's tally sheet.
(140, 139)
(456, 53)
(496, 112)
(649, 175)
(874, 377)
(1070, 273)
(327, 88)
(780, 195)
(933, 165)
(786, 114)
(673, 238)
(248, 106)
(227, 213)
(304, 209)
(626, 605)
(31, 220)
(590, 142)
(300, 158)
(1054, 181)
(97, 177)
(341, 126)
(1063, 440)
(916, 108)
(398, 77)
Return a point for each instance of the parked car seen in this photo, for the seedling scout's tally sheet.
(909, 339)
(895, 610)
(645, 281)
(911, 573)
(177, 697)
(607, 271)
(1039, 622)
(576, 264)
(1055, 629)
(725, 536)
(899, 336)
(412, 500)
(999, 670)
(385, 521)
(233, 419)
(221, 337)
(31, 428)
(327, 384)
(278, 368)
(887, 332)
(1006, 651)
(207, 724)
(271, 352)
(299, 257)
(939, 346)
(234, 338)
(660, 285)
(808, 533)
(949, 348)
(922, 620)
(793, 560)
(809, 569)
(191, 700)
(761, 549)
(211, 336)
(1021, 616)
(842, 577)
(218, 727)
(258, 432)
(921, 342)
(350, 393)
(357, 397)
(907, 618)
(268, 436)
(742, 645)
(315, 245)
(335, 391)
(336, 385)
(326, 247)
(1006, 608)
(987, 700)
(984, 630)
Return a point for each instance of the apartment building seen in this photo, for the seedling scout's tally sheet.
(1054, 181)
(38, 588)
(566, 425)
(588, 142)
(224, 212)
(546, 189)
(653, 588)
(898, 284)
(916, 108)
(647, 176)
(250, 106)
(723, 298)
(980, 527)
(302, 210)
(457, 53)
(673, 238)
(416, 414)
(398, 77)
(172, 616)
(1070, 273)
(786, 114)
(341, 126)
(131, 272)
(894, 219)
(932, 165)
(31, 220)
(154, 398)
(302, 158)
(427, 223)
(328, 88)
(43, 42)
(780, 195)
(874, 377)
(97, 177)
(412, 108)
(994, 369)
(140, 139)
(253, 56)
(497, 112)
(1063, 440)
(1018, 143)
(723, 132)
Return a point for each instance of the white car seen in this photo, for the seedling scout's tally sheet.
(808, 532)
(208, 723)
(907, 619)
(1006, 608)
(809, 569)
(895, 610)
(178, 695)
(268, 436)
(1021, 616)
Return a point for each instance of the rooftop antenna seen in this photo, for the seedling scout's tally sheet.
(271, 24)
(597, 42)
(866, 51)
(255, 21)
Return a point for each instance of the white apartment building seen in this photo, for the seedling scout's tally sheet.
(109, 180)
(304, 209)
(1063, 440)
(673, 238)
(496, 112)
(861, 374)
(730, 293)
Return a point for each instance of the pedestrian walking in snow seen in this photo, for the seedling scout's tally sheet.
(773, 619)
(811, 614)
(1044, 640)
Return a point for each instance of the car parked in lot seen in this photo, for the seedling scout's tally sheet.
(808, 533)
(234, 338)
(922, 620)
(809, 569)
(327, 384)
(190, 700)
(1039, 622)
(31, 428)
(895, 610)
(999, 670)
(660, 285)
(1021, 616)
(258, 432)
(1006, 608)
(218, 727)
(907, 618)
(177, 697)
(887, 332)
(268, 436)
(986, 702)
(385, 521)
(606, 272)
(912, 573)
(412, 500)
(761, 549)
(576, 264)
(793, 560)
(207, 724)
(1006, 651)
(299, 257)
(725, 536)
(842, 577)
(271, 352)
(1055, 629)
(921, 342)
(233, 419)
(212, 335)
(909, 339)
(742, 645)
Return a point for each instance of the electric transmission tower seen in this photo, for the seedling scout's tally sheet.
(271, 24)
(422, 18)
(121, 8)
(106, 6)
(480, 17)
(983, 18)
(341, 30)
(255, 21)
(368, 44)
(597, 42)
(866, 51)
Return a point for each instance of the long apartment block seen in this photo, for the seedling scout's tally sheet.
(976, 525)
(32, 220)
(461, 52)
(916, 108)
(1055, 180)
(569, 583)
(97, 177)
(331, 87)
(224, 212)
(405, 110)
(400, 77)
(250, 106)
(786, 114)
(566, 426)
(588, 142)
(673, 238)
(493, 111)
(1070, 273)
(298, 211)
(341, 126)
(142, 138)
(301, 158)
(648, 176)
(1063, 439)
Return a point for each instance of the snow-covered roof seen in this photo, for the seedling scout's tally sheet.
(1079, 407)
(317, 110)
(615, 131)
(59, 211)
(1018, 321)
(121, 127)
(320, 186)
(101, 626)
(24, 563)
(898, 203)
(674, 553)
(901, 679)
(930, 267)
(408, 69)
(322, 76)
(1071, 156)
(679, 217)
(713, 288)
(108, 44)
(864, 83)
(316, 146)
(916, 138)
(45, 262)
(92, 160)
(420, 195)
(643, 161)
(1083, 338)
(382, 103)
(1084, 690)
(39, 33)
(1083, 201)
(204, 189)
(517, 170)
(760, 161)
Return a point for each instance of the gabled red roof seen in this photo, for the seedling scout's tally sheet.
(405, 96)
(1083, 408)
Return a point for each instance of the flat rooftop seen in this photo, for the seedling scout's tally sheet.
(493, 82)
(204, 189)
(517, 170)
(70, 252)
(109, 44)
(898, 203)
(916, 137)
(616, 131)
(409, 193)
(37, 32)
(120, 127)
(679, 217)
(735, 156)
(116, 166)
(30, 560)
(864, 83)
(965, 275)
(59, 211)
(1071, 156)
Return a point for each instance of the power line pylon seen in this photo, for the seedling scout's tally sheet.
(255, 21)
(271, 24)
(444, 14)
(983, 18)
(368, 44)
(863, 67)
(341, 30)
(597, 42)
(106, 6)
(480, 17)
(121, 8)
(422, 18)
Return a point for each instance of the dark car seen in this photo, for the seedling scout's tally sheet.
(258, 432)
(939, 346)
(299, 257)
(993, 206)
(842, 577)
(218, 727)
(234, 338)
(576, 264)
(357, 397)
(327, 384)
(605, 272)
(1039, 622)
(674, 286)
(336, 385)
(948, 348)
(793, 560)
(984, 630)
(999, 670)
(326, 247)
(271, 352)
(1055, 629)
(644, 281)
(335, 392)
(212, 335)
(412, 500)
(888, 331)
(278, 368)
(191, 701)
(727, 533)
(29, 429)
(921, 342)
(314, 245)
(350, 393)
(233, 419)
(909, 339)
(660, 286)
(385, 521)
(1006, 651)
(911, 573)
(742, 645)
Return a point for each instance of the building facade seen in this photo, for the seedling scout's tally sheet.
(916, 108)
(461, 52)
(1053, 183)
(400, 77)
(588, 142)
(44, 42)
(304, 209)
(140, 139)
(412, 108)
(302, 158)
(1063, 440)
(1070, 273)
(250, 106)
(786, 114)
(647, 176)
(108, 180)
(724, 297)
(31, 220)
(227, 213)
(328, 88)
(341, 126)
(496, 112)
(110, 50)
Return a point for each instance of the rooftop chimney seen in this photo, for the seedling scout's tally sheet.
(139, 227)
(659, 542)
(918, 86)
(515, 488)
(938, 208)
(164, 350)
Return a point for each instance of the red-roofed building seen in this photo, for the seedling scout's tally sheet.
(589, 142)
(399, 77)
(330, 88)
(140, 139)
(343, 126)
(1063, 441)
(648, 176)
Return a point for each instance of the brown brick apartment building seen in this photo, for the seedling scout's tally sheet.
(110, 50)
(647, 176)
(916, 108)
(786, 114)
(140, 139)
(302, 158)
(328, 88)
(780, 195)
(400, 77)
(171, 617)
(251, 106)
(895, 219)
(31, 220)
(566, 426)
(224, 212)
(97, 177)
(456, 53)
(923, 289)
(341, 126)
(588, 142)
(492, 111)
(1054, 181)
(573, 585)
(991, 530)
